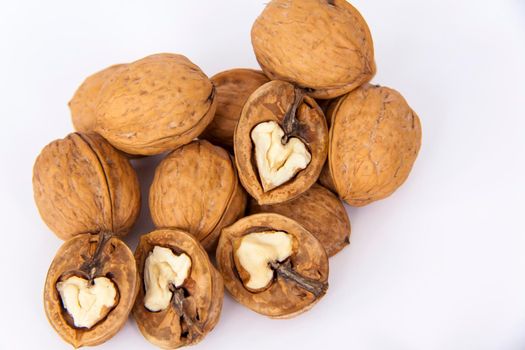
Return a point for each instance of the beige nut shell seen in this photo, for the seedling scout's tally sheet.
(118, 265)
(320, 212)
(374, 140)
(196, 189)
(81, 184)
(282, 299)
(270, 102)
(204, 286)
(155, 104)
(83, 105)
(322, 45)
(233, 86)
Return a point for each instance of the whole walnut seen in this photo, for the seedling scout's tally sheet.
(233, 86)
(82, 184)
(374, 140)
(150, 106)
(322, 45)
(196, 189)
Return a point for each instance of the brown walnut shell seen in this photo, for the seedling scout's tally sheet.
(78, 257)
(320, 212)
(272, 102)
(374, 140)
(203, 290)
(233, 86)
(155, 104)
(82, 184)
(283, 298)
(322, 45)
(196, 189)
(83, 105)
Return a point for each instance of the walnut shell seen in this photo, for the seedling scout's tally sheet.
(283, 298)
(374, 140)
(81, 184)
(155, 104)
(83, 105)
(233, 86)
(320, 212)
(272, 102)
(322, 45)
(196, 189)
(204, 287)
(115, 262)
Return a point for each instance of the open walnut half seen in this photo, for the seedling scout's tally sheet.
(280, 143)
(272, 265)
(180, 299)
(90, 289)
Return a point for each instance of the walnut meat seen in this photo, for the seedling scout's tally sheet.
(81, 184)
(374, 140)
(272, 265)
(196, 189)
(322, 45)
(320, 212)
(83, 105)
(90, 289)
(280, 143)
(233, 86)
(183, 302)
(154, 104)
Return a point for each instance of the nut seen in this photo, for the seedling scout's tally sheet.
(90, 289)
(196, 189)
(83, 105)
(322, 45)
(155, 104)
(282, 167)
(81, 184)
(299, 265)
(195, 295)
(233, 86)
(374, 140)
(320, 212)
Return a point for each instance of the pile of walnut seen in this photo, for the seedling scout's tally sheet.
(253, 178)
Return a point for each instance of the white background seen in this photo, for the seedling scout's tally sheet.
(438, 265)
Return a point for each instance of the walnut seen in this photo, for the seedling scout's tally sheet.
(233, 86)
(186, 279)
(322, 45)
(374, 140)
(196, 189)
(272, 265)
(320, 212)
(280, 143)
(83, 185)
(90, 289)
(152, 105)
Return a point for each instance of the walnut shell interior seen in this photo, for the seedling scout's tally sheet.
(282, 298)
(271, 102)
(116, 263)
(196, 189)
(203, 291)
(82, 184)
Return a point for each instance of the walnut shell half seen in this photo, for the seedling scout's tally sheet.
(202, 294)
(154, 104)
(374, 140)
(299, 118)
(320, 212)
(298, 282)
(90, 256)
(233, 86)
(82, 184)
(322, 45)
(196, 189)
